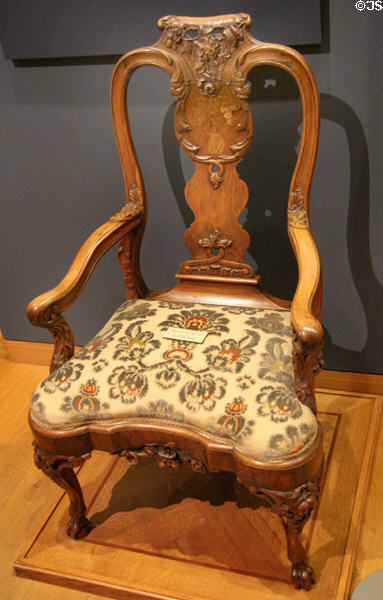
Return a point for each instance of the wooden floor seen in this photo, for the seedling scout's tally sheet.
(27, 494)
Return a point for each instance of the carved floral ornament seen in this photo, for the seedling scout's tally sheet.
(200, 52)
(297, 214)
(133, 207)
(217, 264)
(166, 455)
(207, 46)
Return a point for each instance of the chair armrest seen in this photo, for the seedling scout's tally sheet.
(305, 309)
(305, 306)
(45, 310)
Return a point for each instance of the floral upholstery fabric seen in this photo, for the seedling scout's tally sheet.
(237, 384)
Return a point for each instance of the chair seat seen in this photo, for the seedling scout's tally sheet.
(237, 384)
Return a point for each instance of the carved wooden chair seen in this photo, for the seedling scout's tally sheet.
(214, 372)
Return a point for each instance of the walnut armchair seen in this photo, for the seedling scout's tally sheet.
(215, 371)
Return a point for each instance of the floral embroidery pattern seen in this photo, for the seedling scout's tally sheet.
(179, 349)
(131, 309)
(233, 422)
(37, 406)
(232, 355)
(100, 364)
(239, 386)
(279, 403)
(127, 384)
(136, 343)
(208, 320)
(173, 305)
(270, 323)
(275, 364)
(161, 409)
(93, 349)
(168, 377)
(63, 378)
(239, 310)
(202, 392)
(245, 382)
(293, 440)
(86, 400)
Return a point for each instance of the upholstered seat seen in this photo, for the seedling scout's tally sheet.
(237, 384)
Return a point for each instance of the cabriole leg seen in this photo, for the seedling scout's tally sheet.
(294, 508)
(60, 470)
(302, 575)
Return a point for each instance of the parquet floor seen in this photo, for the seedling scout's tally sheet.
(204, 508)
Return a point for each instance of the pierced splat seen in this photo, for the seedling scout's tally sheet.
(214, 127)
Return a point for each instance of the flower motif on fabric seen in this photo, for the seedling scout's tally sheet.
(38, 407)
(239, 310)
(168, 377)
(93, 349)
(275, 364)
(179, 350)
(127, 385)
(63, 378)
(245, 382)
(270, 323)
(100, 364)
(202, 392)
(161, 410)
(174, 305)
(208, 320)
(86, 400)
(279, 403)
(231, 355)
(136, 344)
(233, 422)
(291, 441)
(130, 310)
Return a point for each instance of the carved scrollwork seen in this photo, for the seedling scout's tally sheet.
(60, 470)
(128, 271)
(215, 240)
(294, 506)
(52, 466)
(208, 46)
(62, 335)
(133, 207)
(297, 214)
(165, 455)
(216, 264)
(200, 52)
(216, 175)
(307, 362)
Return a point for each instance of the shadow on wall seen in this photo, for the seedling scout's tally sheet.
(267, 169)
(369, 289)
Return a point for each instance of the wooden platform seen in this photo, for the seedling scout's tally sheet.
(165, 534)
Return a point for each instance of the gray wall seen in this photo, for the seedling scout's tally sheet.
(60, 179)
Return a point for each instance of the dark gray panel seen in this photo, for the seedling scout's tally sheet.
(53, 28)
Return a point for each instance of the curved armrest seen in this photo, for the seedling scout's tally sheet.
(303, 310)
(44, 311)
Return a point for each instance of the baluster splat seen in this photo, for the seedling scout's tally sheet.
(213, 125)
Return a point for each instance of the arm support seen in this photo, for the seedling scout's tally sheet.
(305, 309)
(45, 310)
(305, 306)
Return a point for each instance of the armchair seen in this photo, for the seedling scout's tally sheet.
(215, 371)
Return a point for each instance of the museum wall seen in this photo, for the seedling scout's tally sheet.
(61, 178)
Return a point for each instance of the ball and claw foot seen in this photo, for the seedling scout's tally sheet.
(302, 576)
(79, 530)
